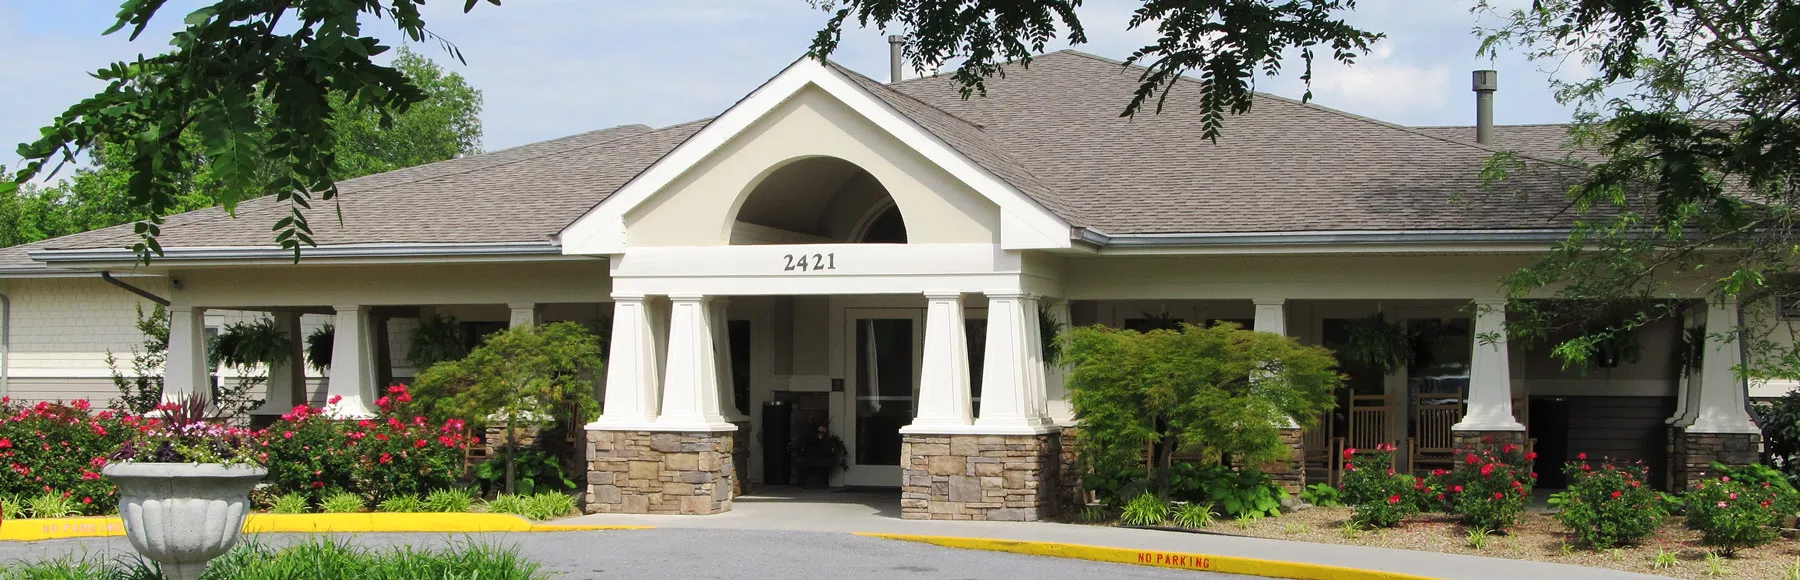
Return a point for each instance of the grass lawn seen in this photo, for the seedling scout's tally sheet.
(1538, 537)
(317, 559)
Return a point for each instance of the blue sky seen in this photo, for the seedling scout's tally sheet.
(550, 68)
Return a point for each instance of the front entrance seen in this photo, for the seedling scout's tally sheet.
(885, 349)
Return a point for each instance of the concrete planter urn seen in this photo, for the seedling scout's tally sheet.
(182, 515)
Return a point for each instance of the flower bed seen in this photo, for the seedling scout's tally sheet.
(53, 453)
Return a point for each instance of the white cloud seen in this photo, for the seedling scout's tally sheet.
(1380, 86)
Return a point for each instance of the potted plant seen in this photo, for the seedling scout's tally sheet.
(184, 487)
(815, 455)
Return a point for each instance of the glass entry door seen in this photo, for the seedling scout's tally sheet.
(885, 347)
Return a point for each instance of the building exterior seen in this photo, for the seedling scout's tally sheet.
(880, 259)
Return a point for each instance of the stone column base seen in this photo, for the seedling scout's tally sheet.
(1696, 452)
(642, 472)
(1071, 491)
(1290, 473)
(979, 477)
(740, 460)
(1486, 441)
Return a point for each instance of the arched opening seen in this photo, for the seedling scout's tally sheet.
(818, 200)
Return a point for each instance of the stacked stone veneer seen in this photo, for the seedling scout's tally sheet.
(638, 472)
(1071, 493)
(1289, 472)
(1696, 452)
(1487, 441)
(980, 477)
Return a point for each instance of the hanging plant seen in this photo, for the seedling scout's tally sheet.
(437, 338)
(318, 348)
(1374, 342)
(1050, 335)
(247, 344)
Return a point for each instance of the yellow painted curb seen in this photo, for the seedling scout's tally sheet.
(1183, 561)
(33, 530)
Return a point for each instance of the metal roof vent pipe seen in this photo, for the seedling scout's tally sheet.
(1486, 82)
(895, 42)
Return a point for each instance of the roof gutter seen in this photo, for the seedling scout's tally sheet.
(321, 252)
(1318, 238)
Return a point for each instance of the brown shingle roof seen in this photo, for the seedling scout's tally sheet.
(1545, 141)
(1052, 130)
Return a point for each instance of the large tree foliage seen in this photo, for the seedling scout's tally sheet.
(1218, 391)
(1225, 43)
(1691, 108)
(444, 125)
(201, 99)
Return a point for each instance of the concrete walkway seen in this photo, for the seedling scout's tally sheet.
(879, 512)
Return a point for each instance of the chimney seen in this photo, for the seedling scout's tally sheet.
(894, 44)
(1486, 82)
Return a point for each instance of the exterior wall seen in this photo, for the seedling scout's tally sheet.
(981, 477)
(61, 331)
(638, 472)
(937, 207)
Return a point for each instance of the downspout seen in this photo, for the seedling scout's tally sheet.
(5, 343)
(107, 276)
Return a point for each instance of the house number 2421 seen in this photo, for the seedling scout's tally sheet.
(804, 262)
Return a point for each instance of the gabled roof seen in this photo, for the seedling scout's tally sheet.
(1052, 132)
(1549, 141)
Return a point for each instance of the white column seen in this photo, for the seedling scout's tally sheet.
(719, 311)
(1012, 374)
(185, 372)
(690, 378)
(352, 365)
(1034, 349)
(944, 371)
(1721, 401)
(522, 314)
(1490, 376)
(1687, 394)
(1056, 377)
(1271, 317)
(633, 382)
(287, 381)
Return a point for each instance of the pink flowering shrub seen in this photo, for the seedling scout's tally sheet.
(403, 453)
(59, 449)
(1487, 490)
(1378, 497)
(1734, 513)
(307, 453)
(1610, 505)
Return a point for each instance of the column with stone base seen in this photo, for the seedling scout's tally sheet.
(1489, 424)
(980, 477)
(1722, 430)
(1289, 472)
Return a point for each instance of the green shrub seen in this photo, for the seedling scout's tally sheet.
(342, 502)
(400, 452)
(449, 501)
(1732, 513)
(1322, 495)
(508, 503)
(12, 508)
(1183, 389)
(1093, 514)
(1145, 510)
(1193, 515)
(1609, 506)
(402, 504)
(1488, 490)
(549, 506)
(1234, 492)
(289, 503)
(52, 505)
(534, 471)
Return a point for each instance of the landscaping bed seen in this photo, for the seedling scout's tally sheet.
(1538, 536)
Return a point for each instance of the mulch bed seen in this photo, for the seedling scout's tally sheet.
(1538, 537)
